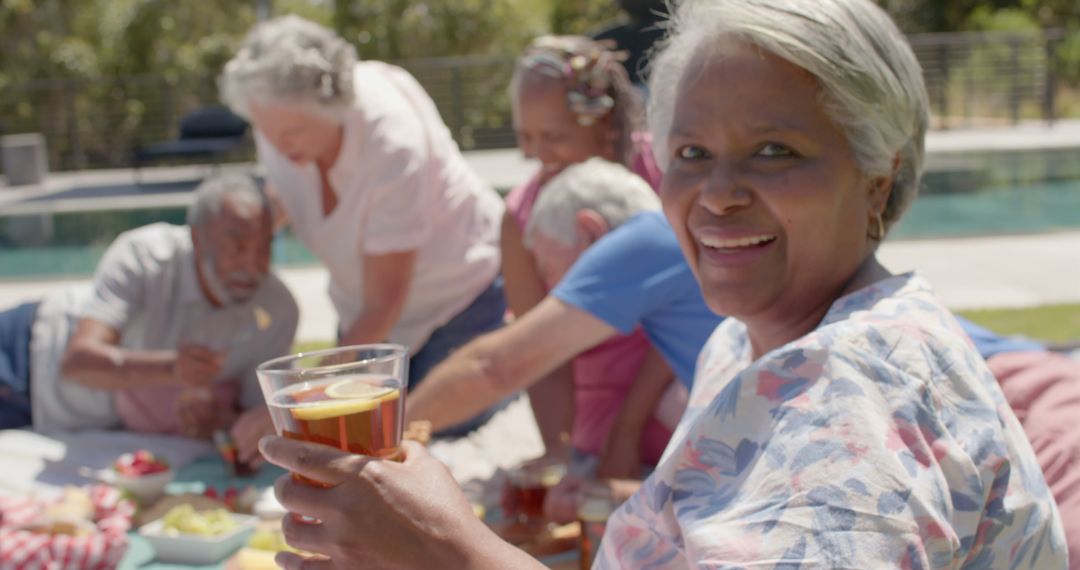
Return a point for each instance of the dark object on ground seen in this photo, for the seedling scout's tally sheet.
(208, 132)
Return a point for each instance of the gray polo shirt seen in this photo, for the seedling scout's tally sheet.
(147, 288)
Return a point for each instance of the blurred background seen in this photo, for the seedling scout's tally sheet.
(100, 81)
(98, 77)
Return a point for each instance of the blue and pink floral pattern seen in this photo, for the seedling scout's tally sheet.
(878, 440)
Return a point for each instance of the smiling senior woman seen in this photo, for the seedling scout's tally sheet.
(373, 184)
(840, 418)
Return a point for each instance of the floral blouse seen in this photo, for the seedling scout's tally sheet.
(878, 440)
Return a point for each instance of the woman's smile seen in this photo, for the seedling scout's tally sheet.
(720, 247)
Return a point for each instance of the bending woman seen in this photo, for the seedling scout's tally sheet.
(373, 184)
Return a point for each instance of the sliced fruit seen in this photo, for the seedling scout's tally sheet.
(341, 407)
(356, 389)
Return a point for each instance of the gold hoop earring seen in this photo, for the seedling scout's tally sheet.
(880, 228)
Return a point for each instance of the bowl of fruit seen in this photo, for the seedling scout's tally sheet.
(142, 474)
(189, 536)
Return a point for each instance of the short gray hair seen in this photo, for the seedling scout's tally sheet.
(293, 61)
(211, 194)
(607, 188)
(872, 85)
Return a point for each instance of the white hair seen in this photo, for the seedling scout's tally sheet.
(293, 61)
(872, 85)
(607, 188)
(211, 194)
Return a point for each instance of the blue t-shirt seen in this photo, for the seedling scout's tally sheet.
(637, 276)
(989, 343)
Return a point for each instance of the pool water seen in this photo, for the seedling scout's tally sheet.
(1035, 208)
(994, 193)
(963, 195)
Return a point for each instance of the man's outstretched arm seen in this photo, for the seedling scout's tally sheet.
(505, 361)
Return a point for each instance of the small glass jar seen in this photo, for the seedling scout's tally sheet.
(596, 506)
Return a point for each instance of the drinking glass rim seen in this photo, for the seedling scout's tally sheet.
(270, 367)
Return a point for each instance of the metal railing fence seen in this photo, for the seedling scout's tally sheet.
(972, 79)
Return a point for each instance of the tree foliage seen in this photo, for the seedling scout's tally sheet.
(108, 73)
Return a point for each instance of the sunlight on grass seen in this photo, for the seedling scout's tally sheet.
(312, 345)
(1051, 323)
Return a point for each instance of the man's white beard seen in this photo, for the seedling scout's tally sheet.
(213, 284)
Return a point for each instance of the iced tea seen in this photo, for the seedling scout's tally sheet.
(529, 487)
(351, 397)
(359, 414)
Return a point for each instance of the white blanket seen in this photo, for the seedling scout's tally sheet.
(35, 462)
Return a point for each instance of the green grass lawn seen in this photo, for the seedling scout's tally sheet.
(1050, 323)
(312, 345)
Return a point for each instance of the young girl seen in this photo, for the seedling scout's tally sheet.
(572, 101)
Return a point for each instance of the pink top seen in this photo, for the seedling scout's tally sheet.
(602, 380)
(520, 200)
(603, 376)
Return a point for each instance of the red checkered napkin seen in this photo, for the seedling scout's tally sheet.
(23, 550)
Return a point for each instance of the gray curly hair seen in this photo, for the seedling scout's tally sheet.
(211, 194)
(291, 60)
(872, 85)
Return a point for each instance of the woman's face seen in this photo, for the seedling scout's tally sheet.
(762, 189)
(301, 135)
(549, 132)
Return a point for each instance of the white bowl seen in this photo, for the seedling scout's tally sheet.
(194, 549)
(145, 488)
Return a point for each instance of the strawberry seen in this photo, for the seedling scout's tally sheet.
(230, 498)
(140, 463)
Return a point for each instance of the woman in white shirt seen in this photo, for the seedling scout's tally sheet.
(374, 185)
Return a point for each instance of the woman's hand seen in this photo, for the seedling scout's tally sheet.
(378, 513)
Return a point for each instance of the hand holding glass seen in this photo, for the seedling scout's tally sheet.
(351, 397)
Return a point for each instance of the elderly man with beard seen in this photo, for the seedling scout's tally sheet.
(167, 337)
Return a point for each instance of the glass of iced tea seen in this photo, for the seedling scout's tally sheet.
(529, 486)
(351, 397)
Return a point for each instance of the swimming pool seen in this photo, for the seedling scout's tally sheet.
(995, 193)
(964, 194)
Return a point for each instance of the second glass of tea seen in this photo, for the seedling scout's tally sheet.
(351, 398)
(529, 485)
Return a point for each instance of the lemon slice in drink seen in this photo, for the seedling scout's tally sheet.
(354, 389)
(346, 397)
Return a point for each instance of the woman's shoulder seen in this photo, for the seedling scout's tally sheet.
(385, 99)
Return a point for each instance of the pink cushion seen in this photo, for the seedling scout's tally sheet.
(1043, 389)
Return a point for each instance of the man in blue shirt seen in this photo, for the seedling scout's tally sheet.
(633, 275)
